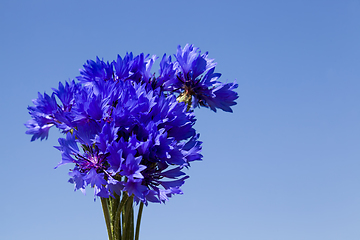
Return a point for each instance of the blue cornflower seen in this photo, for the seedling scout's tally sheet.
(126, 130)
(197, 83)
(129, 135)
(121, 135)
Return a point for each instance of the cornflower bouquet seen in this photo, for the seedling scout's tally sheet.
(130, 133)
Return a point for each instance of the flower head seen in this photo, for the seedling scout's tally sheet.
(127, 130)
(198, 84)
(121, 134)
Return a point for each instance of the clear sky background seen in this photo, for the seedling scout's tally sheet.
(284, 166)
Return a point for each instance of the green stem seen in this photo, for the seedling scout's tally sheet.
(132, 221)
(120, 207)
(128, 218)
(104, 203)
(114, 203)
(119, 217)
(138, 221)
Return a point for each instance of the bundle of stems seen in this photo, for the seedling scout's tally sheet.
(119, 217)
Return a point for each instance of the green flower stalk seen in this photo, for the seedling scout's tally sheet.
(119, 217)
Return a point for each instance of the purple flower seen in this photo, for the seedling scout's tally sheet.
(126, 130)
(197, 83)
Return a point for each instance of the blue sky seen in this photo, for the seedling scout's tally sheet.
(285, 165)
